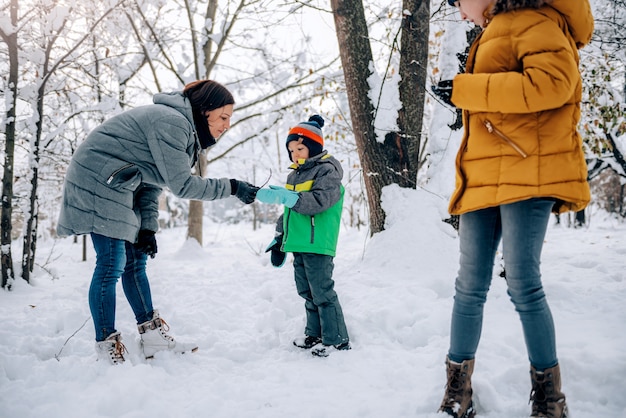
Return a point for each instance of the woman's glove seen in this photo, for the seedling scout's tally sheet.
(277, 257)
(280, 195)
(443, 90)
(146, 243)
(244, 191)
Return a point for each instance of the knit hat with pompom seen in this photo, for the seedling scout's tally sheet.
(310, 134)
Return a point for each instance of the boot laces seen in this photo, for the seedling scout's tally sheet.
(117, 352)
(456, 380)
(539, 398)
(164, 328)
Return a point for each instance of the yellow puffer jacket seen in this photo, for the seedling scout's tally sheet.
(521, 106)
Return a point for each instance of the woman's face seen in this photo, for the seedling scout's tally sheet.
(474, 10)
(219, 120)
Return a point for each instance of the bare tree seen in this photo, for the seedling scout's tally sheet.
(54, 58)
(603, 121)
(10, 39)
(413, 70)
(396, 160)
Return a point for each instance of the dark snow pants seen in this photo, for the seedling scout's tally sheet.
(314, 282)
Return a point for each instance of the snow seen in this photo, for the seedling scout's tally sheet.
(396, 291)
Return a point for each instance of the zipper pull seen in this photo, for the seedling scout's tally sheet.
(506, 139)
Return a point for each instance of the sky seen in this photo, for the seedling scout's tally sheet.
(396, 290)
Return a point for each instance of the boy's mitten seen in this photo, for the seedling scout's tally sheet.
(244, 191)
(146, 243)
(443, 90)
(277, 257)
(276, 194)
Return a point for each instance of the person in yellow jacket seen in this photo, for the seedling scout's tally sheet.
(520, 158)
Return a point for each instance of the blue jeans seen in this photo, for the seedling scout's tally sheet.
(522, 228)
(117, 258)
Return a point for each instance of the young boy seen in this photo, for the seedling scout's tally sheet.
(309, 228)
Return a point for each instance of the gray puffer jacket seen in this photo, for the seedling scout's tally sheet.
(116, 175)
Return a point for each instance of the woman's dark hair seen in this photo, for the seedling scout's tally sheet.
(204, 96)
(508, 5)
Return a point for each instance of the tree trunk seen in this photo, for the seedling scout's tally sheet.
(196, 207)
(8, 275)
(413, 59)
(196, 212)
(32, 218)
(356, 56)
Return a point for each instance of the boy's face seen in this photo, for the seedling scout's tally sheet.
(297, 151)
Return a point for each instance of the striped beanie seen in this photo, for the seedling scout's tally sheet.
(308, 133)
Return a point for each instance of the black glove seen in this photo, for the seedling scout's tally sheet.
(277, 257)
(146, 243)
(443, 90)
(244, 191)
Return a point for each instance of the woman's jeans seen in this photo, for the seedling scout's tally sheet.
(117, 258)
(522, 227)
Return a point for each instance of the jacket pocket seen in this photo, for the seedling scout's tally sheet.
(127, 177)
(493, 130)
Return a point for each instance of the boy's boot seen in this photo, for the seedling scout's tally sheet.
(154, 338)
(325, 350)
(111, 349)
(307, 341)
(457, 401)
(546, 396)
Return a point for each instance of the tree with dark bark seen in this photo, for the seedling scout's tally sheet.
(396, 159)
(10, 39)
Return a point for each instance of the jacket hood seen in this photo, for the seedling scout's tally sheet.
(177, 101)
(579, 18)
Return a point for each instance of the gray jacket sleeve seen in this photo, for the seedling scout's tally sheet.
(168, 148)
(147, 202)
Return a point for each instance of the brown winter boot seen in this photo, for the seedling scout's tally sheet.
(548, 400)
(457, 401)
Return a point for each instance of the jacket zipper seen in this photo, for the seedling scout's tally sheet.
(312, 229)
(116, 172)
(492, 130)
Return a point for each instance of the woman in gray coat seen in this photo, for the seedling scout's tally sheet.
(111, 190)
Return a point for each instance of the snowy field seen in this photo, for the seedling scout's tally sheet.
(396, 291)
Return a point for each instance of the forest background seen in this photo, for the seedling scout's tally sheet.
(367, 67)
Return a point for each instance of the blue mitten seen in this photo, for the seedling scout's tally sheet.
(280, 195)
(277, 257)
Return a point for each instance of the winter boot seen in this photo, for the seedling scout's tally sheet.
(457, 401)
(325, 350)
(111, 349)
(546, 396)
(307, 342)
(154, 338)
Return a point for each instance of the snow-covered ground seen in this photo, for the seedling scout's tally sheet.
(396, 291)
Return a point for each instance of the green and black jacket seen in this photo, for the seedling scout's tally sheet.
(312, 225)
